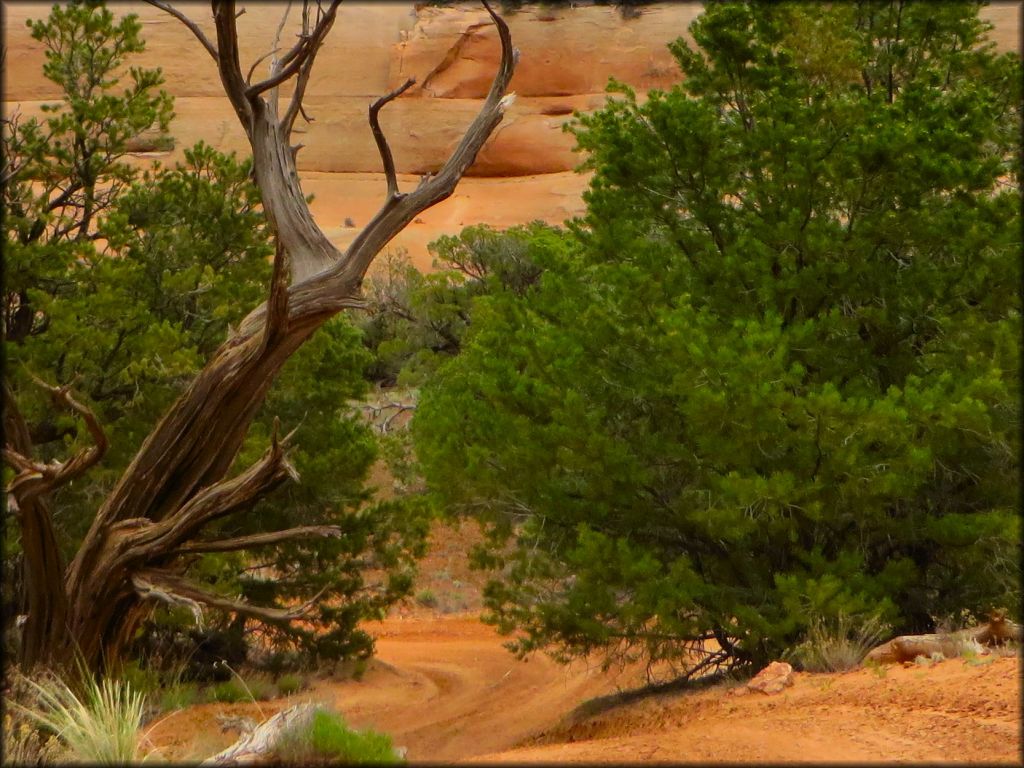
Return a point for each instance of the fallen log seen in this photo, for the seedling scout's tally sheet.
(261, 741)
(998, 630)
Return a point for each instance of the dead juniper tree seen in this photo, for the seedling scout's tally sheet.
(177, 483)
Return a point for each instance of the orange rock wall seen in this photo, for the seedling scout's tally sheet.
(524, 173)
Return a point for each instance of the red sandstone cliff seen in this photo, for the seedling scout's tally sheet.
(525, 170)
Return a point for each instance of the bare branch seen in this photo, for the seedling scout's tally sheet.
(294, 59)
(295, 107)
(62, 397)
(260, 60)
(303, 35)
(228, 62)
(280, 27)
(275, 80)
(391, 218)
(382, 142)
(22, 463)
(168, 8)
(170, 587)
(228, 496)
(260, 539)
(375, 411)
(329, 289)
(254, 747)
(275, 63)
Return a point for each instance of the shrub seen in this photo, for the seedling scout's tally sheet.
(289, 684)
(237, 689)
(145, 679)
(179, 697)
(839, 645)
(327, 738)
(426, 598)
(228, 692)
(99, 725)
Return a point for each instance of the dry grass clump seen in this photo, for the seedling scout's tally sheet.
(24, 744)
(99, 723)
(840, 644)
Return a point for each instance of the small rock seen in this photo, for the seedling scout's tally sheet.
(773, 678)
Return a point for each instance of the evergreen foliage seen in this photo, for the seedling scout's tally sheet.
(416, 321)
(773, 377)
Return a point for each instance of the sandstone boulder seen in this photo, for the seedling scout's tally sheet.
(774, 678)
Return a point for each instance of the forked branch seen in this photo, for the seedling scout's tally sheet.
(296, 58)
(396, 215)
(215, 501)
(34, 478)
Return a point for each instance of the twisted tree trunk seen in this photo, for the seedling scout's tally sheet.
(176, 483)
(44, 604)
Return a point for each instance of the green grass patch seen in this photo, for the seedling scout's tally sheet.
(327, 738)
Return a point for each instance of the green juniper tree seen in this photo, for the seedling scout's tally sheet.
(773, 377)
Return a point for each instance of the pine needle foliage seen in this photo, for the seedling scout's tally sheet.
(772, 375)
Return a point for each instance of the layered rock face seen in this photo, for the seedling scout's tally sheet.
(524, 173)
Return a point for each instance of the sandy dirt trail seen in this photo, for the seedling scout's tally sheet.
(443, 685)
(459, 693)
(446, 689)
